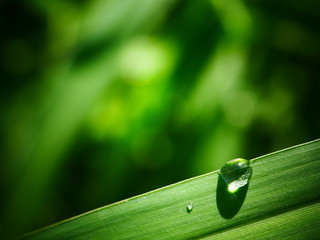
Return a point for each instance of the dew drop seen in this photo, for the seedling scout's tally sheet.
(236, 174)
(232, 187)
(189, 207)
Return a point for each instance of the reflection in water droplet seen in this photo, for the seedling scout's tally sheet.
(233, 183)
(236, 173)
(189, 207)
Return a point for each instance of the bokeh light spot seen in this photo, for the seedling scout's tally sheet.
(142, 59)
(240, 108)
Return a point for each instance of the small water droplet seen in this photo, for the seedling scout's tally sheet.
(189, 207)
(236, 174)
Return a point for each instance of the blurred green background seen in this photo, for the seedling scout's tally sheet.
(102, 100)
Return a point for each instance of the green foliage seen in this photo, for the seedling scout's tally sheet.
(282, 202)
(101, 101)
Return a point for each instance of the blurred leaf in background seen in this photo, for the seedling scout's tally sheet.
(102, 100)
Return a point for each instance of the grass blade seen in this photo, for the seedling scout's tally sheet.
(284, 193)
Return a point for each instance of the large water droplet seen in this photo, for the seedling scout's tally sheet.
(236, 173)
(189, 207)
(233, 183)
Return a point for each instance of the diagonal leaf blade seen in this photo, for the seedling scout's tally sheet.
(284, 189)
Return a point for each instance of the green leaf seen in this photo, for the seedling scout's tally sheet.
(282, 201)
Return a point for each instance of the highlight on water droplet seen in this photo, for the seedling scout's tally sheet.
(232, 186)
(236, 173)
(189, 207)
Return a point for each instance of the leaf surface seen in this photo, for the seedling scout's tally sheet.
(282, 200)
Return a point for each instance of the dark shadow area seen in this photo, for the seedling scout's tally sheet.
(228, 203)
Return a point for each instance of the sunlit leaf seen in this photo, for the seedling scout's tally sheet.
(282, 200)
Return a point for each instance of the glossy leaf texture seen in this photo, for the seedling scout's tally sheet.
(283, 199)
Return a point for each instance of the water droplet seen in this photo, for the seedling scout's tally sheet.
(189, 207)
(236, 174)
(233, 184)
